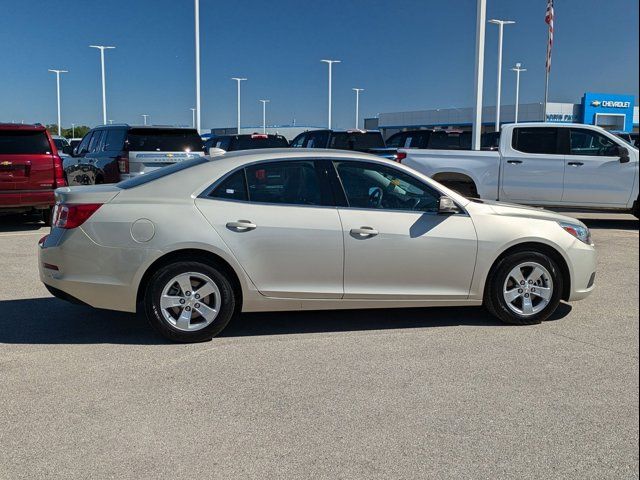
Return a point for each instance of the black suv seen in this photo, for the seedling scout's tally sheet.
(230, 143)
(358, 140)
(110, 153)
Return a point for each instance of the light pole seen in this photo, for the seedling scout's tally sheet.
(73, 130)
(501, 24)
(330, 63)
(518, 68)
(264, 115)
(238, 80)
(58, 72)
(102, 48)
(144, 118)
(197, 33)
(193, 118)
(357, 90)
(481, 15)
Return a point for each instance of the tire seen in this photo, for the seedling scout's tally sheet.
(169, 321)
(47, 216)
(466, 189)
(635, 211)
(502, 284)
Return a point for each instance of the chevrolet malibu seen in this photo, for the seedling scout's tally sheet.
(198, 242)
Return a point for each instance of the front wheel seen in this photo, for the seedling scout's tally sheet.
(189, 301)
(524, 288)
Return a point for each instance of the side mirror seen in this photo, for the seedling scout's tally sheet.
(623, 153)
(447, 206)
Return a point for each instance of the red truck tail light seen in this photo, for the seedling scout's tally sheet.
(400, 156)
(123, 163)
(72, 216)
(58, 173)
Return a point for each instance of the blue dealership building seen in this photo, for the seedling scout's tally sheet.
(611, 111)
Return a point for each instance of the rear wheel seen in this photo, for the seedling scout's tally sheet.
(47, 216)
(524, 288)
(189, 301)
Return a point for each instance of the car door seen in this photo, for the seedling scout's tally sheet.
(397, 246)
(594, 175)
(278, 219)
(533, 166)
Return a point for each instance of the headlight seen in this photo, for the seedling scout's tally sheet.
(582, 233)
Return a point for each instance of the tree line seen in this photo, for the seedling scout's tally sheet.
(78, 131)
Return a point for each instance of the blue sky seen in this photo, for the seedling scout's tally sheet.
(406, 54)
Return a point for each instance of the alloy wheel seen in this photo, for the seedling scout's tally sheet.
(190, 301)
(528, 289)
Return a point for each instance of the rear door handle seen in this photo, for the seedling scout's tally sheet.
(575, 164)
(514, 162)
(241, 225)
(364, 232)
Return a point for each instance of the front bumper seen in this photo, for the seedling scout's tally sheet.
(582, 265)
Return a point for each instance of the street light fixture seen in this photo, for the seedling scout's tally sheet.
(357, 90)
(518, 68)
(144, 118)
(501, 24)
(58, 72)
(330, 63)
(264, 115)
(102, 48)
(238, 80)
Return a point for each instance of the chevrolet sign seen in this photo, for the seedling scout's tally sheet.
(611, 104)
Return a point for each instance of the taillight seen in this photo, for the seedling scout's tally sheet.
(401, 156)
(58, 173)
(123, 163)
(72, 216)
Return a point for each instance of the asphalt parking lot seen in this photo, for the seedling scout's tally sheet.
(423, 393)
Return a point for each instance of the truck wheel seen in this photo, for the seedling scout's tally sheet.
(635, 210)
(189, 301)
(524, 288)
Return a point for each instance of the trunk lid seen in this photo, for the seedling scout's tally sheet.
(87, 194)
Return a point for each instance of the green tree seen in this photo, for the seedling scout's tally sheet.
(79, 130)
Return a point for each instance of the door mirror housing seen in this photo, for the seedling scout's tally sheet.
(623, 153)
(446, 206)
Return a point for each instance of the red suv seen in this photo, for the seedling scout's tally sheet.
(30, 169)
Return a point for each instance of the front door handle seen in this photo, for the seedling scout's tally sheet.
(514, 162)
(575, 164)
(364, 232)
(241, 225)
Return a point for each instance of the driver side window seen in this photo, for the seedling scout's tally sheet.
(370, 185)
(587, 142)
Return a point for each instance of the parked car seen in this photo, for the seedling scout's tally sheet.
(629, 137)
(304, 230)
(230, 143)
(62, 145)
(110, 153)
(367, 141)
(559, 165)
(30, 169)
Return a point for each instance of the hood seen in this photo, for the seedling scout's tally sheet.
(523, 211)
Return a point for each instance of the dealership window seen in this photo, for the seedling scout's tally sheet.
(535, 140)
(292, 183)
(370, 185)
(587, 142)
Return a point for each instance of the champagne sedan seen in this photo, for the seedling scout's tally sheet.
(196, 243)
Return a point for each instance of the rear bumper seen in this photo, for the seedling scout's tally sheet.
(26, 199)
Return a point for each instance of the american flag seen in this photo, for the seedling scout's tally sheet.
(548, 19)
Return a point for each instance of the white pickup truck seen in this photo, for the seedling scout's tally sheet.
(572, 166)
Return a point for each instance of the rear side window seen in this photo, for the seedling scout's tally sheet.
(535, 140)
(439, 141)
(233, 187)
(356, 140)
(317, 140)
(114, 140)
(159, 173)
(96, 140)
(18, 142)
(292, 183)
(298, 142)
(163, 140)
(398, 140)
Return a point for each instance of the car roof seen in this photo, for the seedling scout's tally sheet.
(21, 126)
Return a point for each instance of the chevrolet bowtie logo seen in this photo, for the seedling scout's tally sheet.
(6, 163)
(596, 103)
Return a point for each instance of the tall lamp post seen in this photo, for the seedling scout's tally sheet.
(197, 53)
(481, 15)
(264, 115)
(357, 90)
(193, 117)
(330, 63)
(501, 24)
(58, 72)
(102, 48)
(73, 130)
(144, 118)
(238, 80)
(518, 68)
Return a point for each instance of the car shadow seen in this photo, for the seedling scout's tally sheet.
(611, 223)
(20, 223)
(53, 321)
